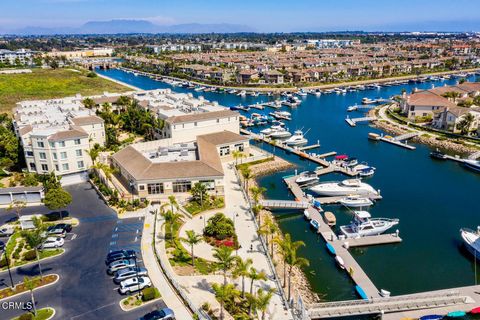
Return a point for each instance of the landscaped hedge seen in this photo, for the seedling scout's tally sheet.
(150, 294)
(30, 255)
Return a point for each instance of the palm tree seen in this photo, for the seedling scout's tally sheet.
(257, 192)
(225, 260)
(252, 302)
(242, 270)
(247, 174)
(465, 124)
(93, 153)
(237, 154)
(254, 275)
(269, 228)
(17, 206)
(172, 219)
(263, 300)
(173, 202)
(224, 293)
(88, 103)
(284, 244)
(293, 261)
(34, 239)
(31, 284)
(192, 239)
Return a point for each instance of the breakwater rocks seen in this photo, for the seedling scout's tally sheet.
(275, 165)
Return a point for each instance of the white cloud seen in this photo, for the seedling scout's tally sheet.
(161, 20)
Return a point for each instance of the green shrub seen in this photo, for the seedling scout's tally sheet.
(3, 262)
(30, 255)
(148, 294)
(26, 316)
(220, 227)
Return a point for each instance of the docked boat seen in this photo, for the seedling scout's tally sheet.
(384, 293)
(431, 317)
(475, 310)
(351, 162)
(352, 108)
(296, 139)
(281, 115)
(306, 177)
(331, 249)
(367, 101)
(280, 134)
(472, 165)
(363, 225)
(306, 214)
(314, 224)
(456, 314)
(330, 218)
(343, 188)
(471, 239)
(366, 171)
(361, 293)
(340, 262)
(438, 155)
(355, 202)
(242, 93)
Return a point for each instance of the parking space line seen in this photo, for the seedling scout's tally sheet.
(74, 236)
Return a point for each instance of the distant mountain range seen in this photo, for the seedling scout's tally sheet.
(134, 26)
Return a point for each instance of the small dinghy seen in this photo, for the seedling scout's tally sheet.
(330, 218)
(361, 293)
(306, 214)
(331, 249)
(340, 262)
(456, 314)
(384, 293)
(314, 224)
(475, 310)
(431, 317)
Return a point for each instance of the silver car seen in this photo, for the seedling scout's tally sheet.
(124, 274)
(120, 264)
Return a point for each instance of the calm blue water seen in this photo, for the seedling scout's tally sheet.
(432, 199)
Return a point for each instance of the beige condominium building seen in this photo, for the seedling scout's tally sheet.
(56, 135)
(154, 170)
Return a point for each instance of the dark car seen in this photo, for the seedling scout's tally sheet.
(120, 254)
(162, 314)
(64, 226)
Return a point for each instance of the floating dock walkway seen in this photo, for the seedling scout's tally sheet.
(400, 140)
(353, 121)
(284, 204)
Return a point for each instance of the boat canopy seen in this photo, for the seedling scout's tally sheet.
(363, 214)
(341, 157)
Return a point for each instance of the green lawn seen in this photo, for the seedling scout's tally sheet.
(42, 314)
(48, 84)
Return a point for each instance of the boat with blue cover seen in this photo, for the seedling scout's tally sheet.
(331, 249)
(431, 317)
(361, 293)
(314, 224)
(456, 314)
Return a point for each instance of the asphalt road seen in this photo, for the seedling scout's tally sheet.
(84, 291)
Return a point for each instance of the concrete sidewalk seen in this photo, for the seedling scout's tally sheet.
(171, 299)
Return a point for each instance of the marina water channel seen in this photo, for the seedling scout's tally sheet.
(433, 199)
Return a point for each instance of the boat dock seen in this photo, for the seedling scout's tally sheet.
(400, 140)
(364, 241)
(351, 266)
(313, 146)
(353, 121)
(256, 106)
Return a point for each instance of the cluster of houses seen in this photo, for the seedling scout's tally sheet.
(318, 61)
(445, 106)
(195, 140)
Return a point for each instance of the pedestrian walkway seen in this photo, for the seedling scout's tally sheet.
(171, 299)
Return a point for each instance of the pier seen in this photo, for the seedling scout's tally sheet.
(313, 146)
(400, 141)
(284, 204)
(353, 121)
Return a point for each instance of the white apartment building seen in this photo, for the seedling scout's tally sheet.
(11, 57)
(187, 117)
(56, 135)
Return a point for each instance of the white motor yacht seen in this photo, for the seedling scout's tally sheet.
(472, 240)
(296, 139)
(306, 177)
(472, 164)
(280, 134)
(343, 188)
(363, 225)
(356, 202)
(242, 93)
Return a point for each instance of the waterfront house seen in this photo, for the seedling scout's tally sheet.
(273, 76)
(247, 76)
(449, 118)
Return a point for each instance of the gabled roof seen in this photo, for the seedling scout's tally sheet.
(427, 98)
(82, 121)
(73, 133)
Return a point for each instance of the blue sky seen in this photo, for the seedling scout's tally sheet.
(262, 15)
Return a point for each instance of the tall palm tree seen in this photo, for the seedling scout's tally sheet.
(173, 202)
(224, 293)
(225, 260)
(263, 300)
(257, 192)
(192, 239)
(31, 284)
(237, 154)
(465, 124)
(93, 153)
(254, 275)
(284, 244)
(247, 175)
(269, 228)
(294, 261)
(172, 219)
(242, 270)
(34, 239)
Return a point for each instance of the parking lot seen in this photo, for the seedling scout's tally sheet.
(85, 290)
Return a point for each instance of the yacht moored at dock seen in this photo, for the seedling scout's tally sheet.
(296, 139)
(356, 202)
(471, 239)
(363, 225)
(472, 164)
(306, 177)
(343, 188)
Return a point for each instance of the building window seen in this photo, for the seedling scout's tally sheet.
(155, 188)
(78, 152)
(63, 155)
(54, 156)
(43, 156)
(52, 144)
(141, 187)
(33, 166)
(56, 167)
(61, 144)
(182, 186)
(29, 153)
(209, 184)
(65, 167)
(224, 151)
(40, 144)
(239, 147)
(77, 141)
(218, 120)
(44, 167)
(80, 164)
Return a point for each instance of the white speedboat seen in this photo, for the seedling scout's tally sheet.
(242, 93)
(296, 139)
(280, 134)
(352, 108)
(340, 262)
(363, 225)
(306, 214)
(472, 164)
(306, 177)
(343, 188)
(472, 240)
(356, 202)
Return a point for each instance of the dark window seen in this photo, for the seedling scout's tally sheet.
(155, 188)
(182, 186)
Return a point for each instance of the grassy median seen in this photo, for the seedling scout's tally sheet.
(48, 84)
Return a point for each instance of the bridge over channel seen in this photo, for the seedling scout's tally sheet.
(284, 204)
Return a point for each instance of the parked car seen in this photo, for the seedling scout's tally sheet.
(120, 254)
(159, 314)
(57, 232)
(65, 226)
(120, 264)
(6, 232)
(134, 284)
(127, 273)
(52, 242)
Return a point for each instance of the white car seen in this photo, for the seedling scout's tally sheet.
(134, 284)
(52, 242)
